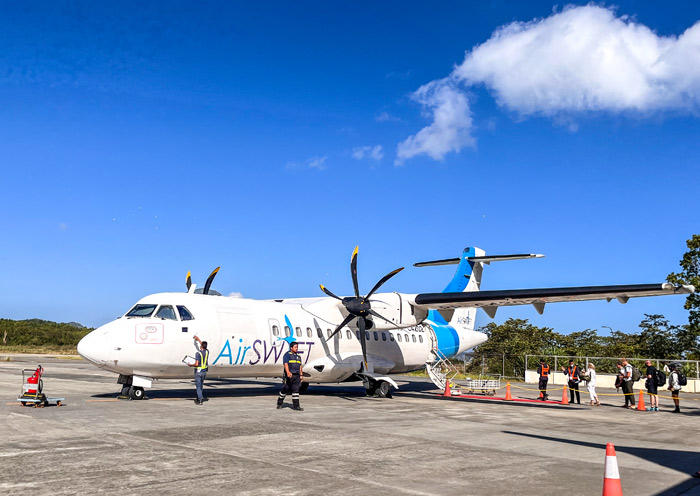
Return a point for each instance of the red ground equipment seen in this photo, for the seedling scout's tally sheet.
(32, 389)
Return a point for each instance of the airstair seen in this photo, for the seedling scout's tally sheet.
(440, 370)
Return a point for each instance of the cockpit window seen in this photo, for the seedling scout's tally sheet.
(166, 312)
(141, 310)
(184, 313)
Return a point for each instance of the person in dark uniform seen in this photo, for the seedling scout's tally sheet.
(543, 370)
(201, 365)
(292, 377)
(652, 388)
(574, 378)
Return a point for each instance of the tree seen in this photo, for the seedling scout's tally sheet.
(659, 339)
(690, 263)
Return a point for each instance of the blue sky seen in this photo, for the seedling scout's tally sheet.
(140, 141)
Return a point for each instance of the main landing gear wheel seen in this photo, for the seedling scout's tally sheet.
(383, 390)
(136, 393)
(125, 391)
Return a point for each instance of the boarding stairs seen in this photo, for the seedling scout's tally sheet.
(440, 370)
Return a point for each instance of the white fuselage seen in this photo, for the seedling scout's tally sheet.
(248, 338)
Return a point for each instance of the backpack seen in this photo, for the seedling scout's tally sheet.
(636, 374)
(660, 378)
(682, 379)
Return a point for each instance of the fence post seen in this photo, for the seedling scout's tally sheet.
(503, 367)
(525, 371)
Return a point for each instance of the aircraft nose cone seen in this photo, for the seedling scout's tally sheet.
(93, 347)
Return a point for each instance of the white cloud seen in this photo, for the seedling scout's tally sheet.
(586, 58)
(451, 127)
(318, 163)
(235, 294)
(386, 117)
(372, 152)
(579, 60)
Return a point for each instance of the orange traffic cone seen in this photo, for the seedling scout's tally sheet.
(508, 396)
(640, 403)
(447, 393)
(611, 478)
(565, 397)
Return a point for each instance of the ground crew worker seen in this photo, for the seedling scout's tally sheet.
(292, 377)
(543, 370)
(675, 387)
(201, 365)
(628, 384)
(574, 378)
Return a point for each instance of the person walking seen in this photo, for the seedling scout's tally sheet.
(574, 378)
(292, 377)
(200, 365)
(674, 386)
(590, 384)
(543, 370)
(627, 384)
(652, 387)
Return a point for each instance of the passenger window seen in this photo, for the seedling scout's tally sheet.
(357, 333)
(384, 336)
(376, 336)
(328, 332)
(308, 332)
(275, 330)
(349, 334)
(413, 336)
(166, 312)
(184, 313)
(406, 336)
(391, 337)
(366, 335)
(319, 332)
(420, 338)
(287, 331)
(398, 336)
(298, 329)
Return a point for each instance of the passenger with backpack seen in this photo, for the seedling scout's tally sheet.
(675, 380)
(652, 387)
(628, 384)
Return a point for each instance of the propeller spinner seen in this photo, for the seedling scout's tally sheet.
(359, 307)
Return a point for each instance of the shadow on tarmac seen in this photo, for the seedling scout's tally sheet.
(683, 461)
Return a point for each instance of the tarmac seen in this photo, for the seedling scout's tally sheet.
(417, 442)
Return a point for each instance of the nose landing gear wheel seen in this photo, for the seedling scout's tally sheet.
(136, 393)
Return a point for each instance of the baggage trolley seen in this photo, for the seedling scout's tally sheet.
(483, 386)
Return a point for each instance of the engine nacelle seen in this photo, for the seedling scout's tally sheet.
(395, 308)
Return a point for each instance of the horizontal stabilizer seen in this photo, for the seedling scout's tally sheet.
(489, 300)
(485, 259)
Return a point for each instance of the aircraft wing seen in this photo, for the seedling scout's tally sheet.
(491, 300)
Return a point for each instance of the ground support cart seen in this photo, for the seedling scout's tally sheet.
(482, 386)
(32, 386)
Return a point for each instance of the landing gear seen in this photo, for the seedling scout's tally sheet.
(136, 393)
(378, 389)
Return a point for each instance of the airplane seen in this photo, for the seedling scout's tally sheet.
(354, 338)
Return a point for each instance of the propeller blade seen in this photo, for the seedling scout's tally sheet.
(342, 324)
(329, 292)
(353, 272)
(372, 312)
(383, 280)
(361, 325)
(211, 277)
(188, 281)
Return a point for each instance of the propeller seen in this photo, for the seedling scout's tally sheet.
(207, 285)
(359, 307)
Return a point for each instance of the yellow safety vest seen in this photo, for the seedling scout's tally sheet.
(205, 359)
